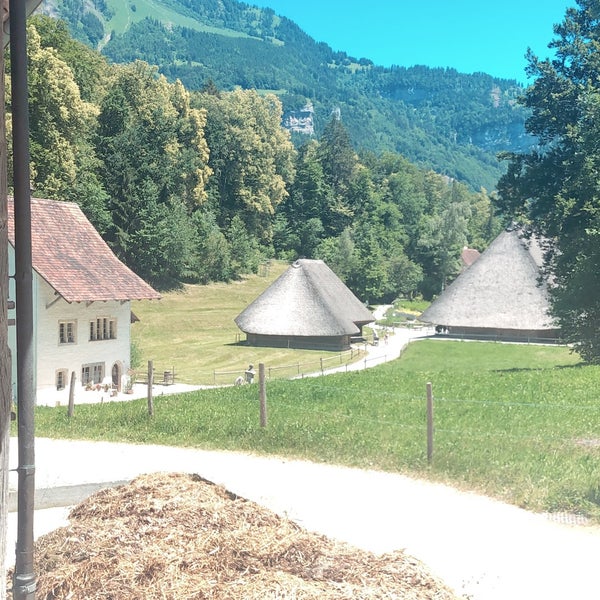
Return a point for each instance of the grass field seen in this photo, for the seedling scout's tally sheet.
(520, 423)
(193, 333)
(127, 12)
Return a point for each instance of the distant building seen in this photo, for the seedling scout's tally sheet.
(501, 295)
(468, 256)
(82, 297)
(308, 306)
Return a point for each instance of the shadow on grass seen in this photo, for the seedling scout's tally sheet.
(579, 365)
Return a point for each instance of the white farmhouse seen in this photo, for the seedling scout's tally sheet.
(82, 297)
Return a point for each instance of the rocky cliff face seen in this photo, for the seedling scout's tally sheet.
(501, 137)
(300, 121)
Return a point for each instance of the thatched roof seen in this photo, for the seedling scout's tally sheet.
(501, 290)
(309, 299)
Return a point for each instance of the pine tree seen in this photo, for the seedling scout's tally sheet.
(555, 187)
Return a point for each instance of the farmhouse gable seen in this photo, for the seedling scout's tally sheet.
(81, 302)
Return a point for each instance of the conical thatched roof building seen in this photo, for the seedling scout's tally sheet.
(500, 295)
(306, 307)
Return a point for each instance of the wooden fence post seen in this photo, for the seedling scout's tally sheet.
(150, 384)
(429, 424)
(262, 394)
(71, 408)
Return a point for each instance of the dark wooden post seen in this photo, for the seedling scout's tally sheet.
(5, 359)
(150, 384)
(429, 424)
(262, 393)
(24, 575)
(71, 409)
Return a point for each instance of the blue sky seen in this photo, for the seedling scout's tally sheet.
(469, 35)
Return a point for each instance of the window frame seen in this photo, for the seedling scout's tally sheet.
(103, 328)
(92, 373)
(64, 338)
(61, 374)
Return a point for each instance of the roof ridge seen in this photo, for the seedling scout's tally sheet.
(73, 258)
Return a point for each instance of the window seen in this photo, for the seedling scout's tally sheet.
(66, 332)
(92, 373)
(61, 379)
(103, 328)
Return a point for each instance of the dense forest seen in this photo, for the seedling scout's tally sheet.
(440, 119)
(198, 186)
(387, 190)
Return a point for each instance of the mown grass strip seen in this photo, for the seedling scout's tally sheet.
(520, 423)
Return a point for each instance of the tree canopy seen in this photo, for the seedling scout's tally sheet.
(199, 186)
(556, 186)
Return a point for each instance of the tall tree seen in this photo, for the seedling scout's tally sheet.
(339, 162)
(556, 186)
(89, 67)
(304, 208)
(154, 156)
(63, 163)
(213, 254)
(443, 234)
(251, 157)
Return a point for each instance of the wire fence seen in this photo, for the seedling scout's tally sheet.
(572, 423)
(504, 337)
(167, 374)
(386, 412)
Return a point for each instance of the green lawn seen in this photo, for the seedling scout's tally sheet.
(127, 12)
(520, 423)
(193, 332)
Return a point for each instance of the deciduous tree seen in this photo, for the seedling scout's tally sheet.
(61, 122)
(251, 156)
(154, 157)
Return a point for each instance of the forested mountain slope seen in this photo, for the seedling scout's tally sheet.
(198, 186)
(438, 118)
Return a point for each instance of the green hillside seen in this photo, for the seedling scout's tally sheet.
(450, 122)
(124, 14)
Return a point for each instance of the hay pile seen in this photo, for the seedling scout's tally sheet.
(173, 536)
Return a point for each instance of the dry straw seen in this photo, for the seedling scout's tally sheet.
(174, 536)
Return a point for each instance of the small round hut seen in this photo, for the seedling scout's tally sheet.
(502, 295)
(309, 307)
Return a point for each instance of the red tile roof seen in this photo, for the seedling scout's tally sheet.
(469, 256)
(72, 257)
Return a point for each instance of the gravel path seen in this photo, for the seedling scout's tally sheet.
(484, 549)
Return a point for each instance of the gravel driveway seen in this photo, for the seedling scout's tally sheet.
(484, 549)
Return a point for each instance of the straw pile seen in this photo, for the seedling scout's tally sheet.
(174, 536)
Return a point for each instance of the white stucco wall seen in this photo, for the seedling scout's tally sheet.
(53, 356)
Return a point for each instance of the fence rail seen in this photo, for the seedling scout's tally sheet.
(167, 374)
(295, 370)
